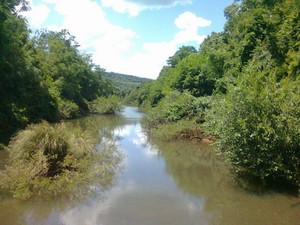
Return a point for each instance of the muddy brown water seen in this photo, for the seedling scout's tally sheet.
(161, 183)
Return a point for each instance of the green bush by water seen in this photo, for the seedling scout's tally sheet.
(177, 116)
(258, 126)
(177, 106)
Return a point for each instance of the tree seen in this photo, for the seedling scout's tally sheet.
(23, 98)
(71, 77)
(183, 52)
(257, 119)
(192, 77)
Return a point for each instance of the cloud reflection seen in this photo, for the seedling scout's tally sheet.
(129, 204)
(123, 131)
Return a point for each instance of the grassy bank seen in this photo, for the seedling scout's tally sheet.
(182, 130)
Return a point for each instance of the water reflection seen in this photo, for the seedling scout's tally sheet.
(200, 173)
(195, 168)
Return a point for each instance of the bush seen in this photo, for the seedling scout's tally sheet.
(178, 116)
(258, 126)
(47, 159)
(177, 106)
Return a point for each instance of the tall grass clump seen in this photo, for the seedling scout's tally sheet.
(53, 160)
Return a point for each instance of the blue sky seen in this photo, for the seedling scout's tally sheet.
(134, 37)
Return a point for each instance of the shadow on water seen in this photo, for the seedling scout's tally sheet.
(259, 186)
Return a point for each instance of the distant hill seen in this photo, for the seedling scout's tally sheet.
(124, 82)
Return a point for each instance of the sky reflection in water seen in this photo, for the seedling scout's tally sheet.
(145, 193)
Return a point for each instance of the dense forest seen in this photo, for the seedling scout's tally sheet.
(43, 75)
(242, 86)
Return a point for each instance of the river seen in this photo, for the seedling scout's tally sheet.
(160, 183)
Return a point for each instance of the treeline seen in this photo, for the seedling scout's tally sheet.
(124, 83)
(242, 86)
(43, 75)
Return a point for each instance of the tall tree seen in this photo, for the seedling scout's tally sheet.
(19, 85)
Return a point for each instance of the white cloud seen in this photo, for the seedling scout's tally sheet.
(37, 15)
(185, 36)
(189, 20)
(147, 62)
(123, 131)
(161, 3)
(189, 24)
(152, 57)
(86, 20)
(134, 7)
(122, 6)
(112, 45)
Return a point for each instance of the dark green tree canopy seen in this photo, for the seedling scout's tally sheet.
(42, 75)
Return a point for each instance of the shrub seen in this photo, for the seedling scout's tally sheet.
(258, 126)
(47, 159)
(177, 106)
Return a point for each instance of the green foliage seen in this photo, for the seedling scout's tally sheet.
(107, 105)
(251, 69)
(70, 75)
(175, 107)
(192, 76)
(257, 124)
(45, 158)
(22, 96)
(124, 83)
(43, 76)
(182, 52)
(186, 72)
(257, 120)
(216, 54)
(172, 108)
(67, 109)
(147, 95)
